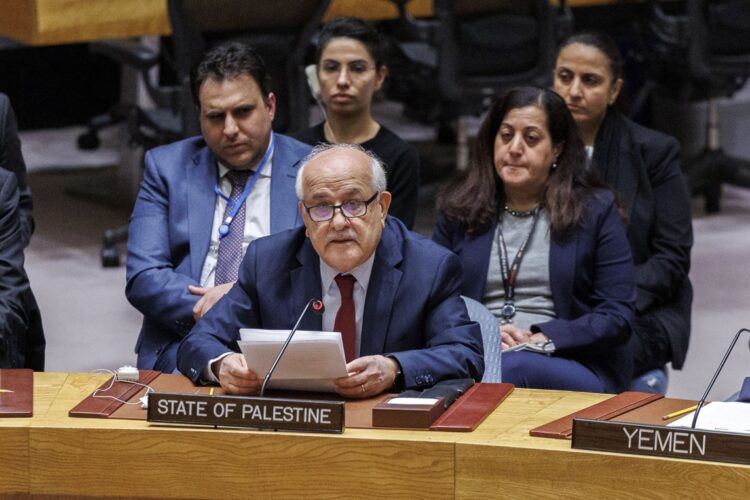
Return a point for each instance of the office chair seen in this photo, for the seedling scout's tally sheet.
(485, 47)
(280, 30)
(701, 50)
(470, 52)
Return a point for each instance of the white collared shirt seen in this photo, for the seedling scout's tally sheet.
(257, 217)
(332, 296)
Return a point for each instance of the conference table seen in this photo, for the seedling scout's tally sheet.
(51, 454)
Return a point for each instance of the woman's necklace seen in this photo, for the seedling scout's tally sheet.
(520, 213)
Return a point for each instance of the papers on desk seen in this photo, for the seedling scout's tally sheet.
(311, 362)
(719, 416)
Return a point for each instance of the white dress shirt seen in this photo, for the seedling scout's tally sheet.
(257, 217)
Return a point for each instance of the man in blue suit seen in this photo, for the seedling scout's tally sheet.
(203, 199)
(409, 327)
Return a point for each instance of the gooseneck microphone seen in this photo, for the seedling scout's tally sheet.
(317, 307)
(718, 370)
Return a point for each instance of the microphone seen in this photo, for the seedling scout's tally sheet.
(317, 307)
(718, 370)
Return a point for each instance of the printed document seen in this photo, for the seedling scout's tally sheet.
(719, 416)
(312, 361)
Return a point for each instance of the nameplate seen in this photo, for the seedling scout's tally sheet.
(247, 411)
(661, 441)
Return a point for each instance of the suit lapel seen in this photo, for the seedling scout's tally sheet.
(381, 293)
(284, 213)
(306, 285)
(201, 202)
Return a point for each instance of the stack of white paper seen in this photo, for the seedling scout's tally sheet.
(719, 416)
(312, 361)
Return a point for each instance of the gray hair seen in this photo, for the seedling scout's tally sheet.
(377, 171)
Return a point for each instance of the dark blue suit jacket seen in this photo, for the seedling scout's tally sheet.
(592, 282)
(170, 234)
(413, 310)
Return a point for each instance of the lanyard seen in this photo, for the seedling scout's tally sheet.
(225, 226)
(509, 273)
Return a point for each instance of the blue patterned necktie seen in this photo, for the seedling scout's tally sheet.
(230, 246)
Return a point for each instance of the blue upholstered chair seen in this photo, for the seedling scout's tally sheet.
(490, 338)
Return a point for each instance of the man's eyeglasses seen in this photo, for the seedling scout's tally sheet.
(350, 209)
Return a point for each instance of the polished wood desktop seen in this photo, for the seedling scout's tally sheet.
(53, 454)
(51, 22)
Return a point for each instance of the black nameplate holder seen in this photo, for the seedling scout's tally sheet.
(661, 441)
(280, 414)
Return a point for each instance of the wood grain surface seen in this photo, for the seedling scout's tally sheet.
(54, 455)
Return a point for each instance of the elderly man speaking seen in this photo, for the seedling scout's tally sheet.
(392, 294)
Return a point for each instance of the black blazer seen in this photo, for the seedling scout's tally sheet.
(21, 335)
(11, 159)
(643, 167)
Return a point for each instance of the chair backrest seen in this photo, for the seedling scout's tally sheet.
(711, 39)
(490, 338)
(281, 30)
(486, 46)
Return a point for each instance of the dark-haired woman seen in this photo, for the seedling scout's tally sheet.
(350, 68)
(643, 167)
(543, 248)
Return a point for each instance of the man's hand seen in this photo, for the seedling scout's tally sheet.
(368, 376)
(512, 335)
(209, 297)
(234, 375)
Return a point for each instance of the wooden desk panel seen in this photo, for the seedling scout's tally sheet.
(377, 9)
(181, 463)
(52, 454)
(49, 22)
(501, 456)
(14, 459)
(106, 457)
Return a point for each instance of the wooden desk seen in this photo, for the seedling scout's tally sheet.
(51, 22)
(52, 454)
(501, 456)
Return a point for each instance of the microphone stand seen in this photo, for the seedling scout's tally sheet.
(718, 370)
(317, 307)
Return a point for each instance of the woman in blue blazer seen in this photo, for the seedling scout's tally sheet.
(543, 248)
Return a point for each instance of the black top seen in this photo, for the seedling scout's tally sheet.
(643, 167)
(12, 160)
(21, 335)
(401, 163)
